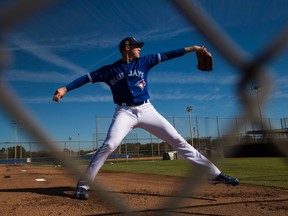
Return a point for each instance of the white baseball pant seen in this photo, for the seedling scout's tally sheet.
(144, 116)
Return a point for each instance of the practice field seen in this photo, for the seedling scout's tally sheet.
(48, 190)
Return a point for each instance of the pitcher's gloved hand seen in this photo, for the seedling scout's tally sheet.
(205, 59)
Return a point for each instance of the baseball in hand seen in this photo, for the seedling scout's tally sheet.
(56, 96)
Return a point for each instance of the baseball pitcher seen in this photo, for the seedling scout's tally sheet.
(128, 79)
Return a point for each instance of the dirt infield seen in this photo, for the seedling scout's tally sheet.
(51, 194)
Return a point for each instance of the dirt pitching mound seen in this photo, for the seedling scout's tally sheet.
(26, 190)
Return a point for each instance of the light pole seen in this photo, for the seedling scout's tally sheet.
(70, 146)
(20, 143)
(78, 144)
(189, 110)
(256, 89)
(14, 122)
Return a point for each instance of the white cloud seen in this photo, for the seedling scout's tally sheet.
(186, 78)
(280, 95)
(159, 77)
(167, 95)
(180, 95)
(37, 77)
(82, 99)
(46, 55)
(90, 98)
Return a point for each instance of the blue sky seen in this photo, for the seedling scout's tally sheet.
(75, 37)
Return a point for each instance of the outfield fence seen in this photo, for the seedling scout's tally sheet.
(207, 135)
(253, 69)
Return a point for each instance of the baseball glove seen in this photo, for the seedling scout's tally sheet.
(205, 59)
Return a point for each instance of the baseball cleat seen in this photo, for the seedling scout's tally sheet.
(225, 179)
(81, 193)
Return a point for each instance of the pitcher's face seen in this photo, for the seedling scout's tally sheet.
(134, 51)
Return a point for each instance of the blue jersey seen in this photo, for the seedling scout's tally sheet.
(127, 81)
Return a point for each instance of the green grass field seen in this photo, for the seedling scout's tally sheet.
(258, 171)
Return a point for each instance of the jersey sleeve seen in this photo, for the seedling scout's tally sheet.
(172, 54)
(78, 82)
(154, 59)
(99, 75)
(150, 61)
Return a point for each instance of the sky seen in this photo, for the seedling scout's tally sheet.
(72, 38)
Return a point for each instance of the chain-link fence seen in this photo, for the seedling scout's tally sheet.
(253, 69)
(206, 134)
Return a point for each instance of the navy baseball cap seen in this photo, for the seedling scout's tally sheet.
(129, 41)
